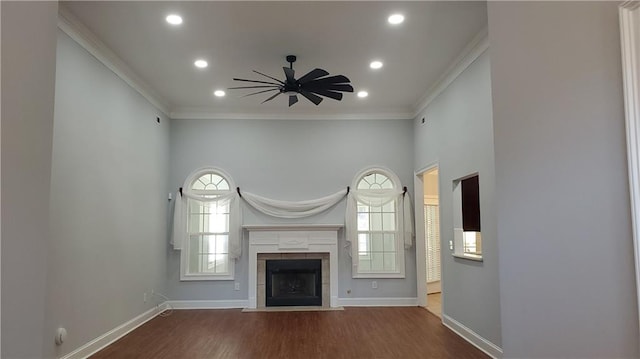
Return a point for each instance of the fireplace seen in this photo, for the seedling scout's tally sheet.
(293, 282)
(293, 242)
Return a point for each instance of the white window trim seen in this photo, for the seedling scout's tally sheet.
(184, 276)
(400, 260)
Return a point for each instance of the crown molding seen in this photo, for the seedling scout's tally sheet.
(72, 26)
(630, 5)
(476, 47)
(206, 114)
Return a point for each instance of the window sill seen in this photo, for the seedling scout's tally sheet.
(188, 278)
(377, 275)
(471, 257)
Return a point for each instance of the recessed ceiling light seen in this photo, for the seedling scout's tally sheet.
(200, 63)
(396, 19)
(174, 19)
(375, 64)
(219, 93)
(363, 94)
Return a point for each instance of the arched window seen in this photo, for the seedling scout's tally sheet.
(378, 249)
(206, 252)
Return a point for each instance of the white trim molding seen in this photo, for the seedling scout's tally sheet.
(467, 56)
(209, 304)
(378, 302)
(472, 337)
(114, 334)
(630, 43)
(70, 25)
(212, 114)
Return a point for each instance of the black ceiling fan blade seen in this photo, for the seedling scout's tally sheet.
(312, 75)
(271, 98)
(311, 97)
(327, 93)
(265, 75)
(290, 73)
(337, 79)
(258, 82)
(340, 87)
(292, 100)
(255, 93)
(252, 87)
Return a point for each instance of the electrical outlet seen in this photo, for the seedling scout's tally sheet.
(374, 285)
(450, 245)
(237, 286)
(144, 297)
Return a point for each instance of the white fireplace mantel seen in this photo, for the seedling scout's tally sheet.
(295, 238)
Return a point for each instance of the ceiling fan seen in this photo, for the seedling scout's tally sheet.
(314, 84)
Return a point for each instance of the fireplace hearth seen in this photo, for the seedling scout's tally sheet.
(293, 282)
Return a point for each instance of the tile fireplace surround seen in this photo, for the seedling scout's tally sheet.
(293, 242)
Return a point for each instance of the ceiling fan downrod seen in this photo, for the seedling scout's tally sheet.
(291, 59)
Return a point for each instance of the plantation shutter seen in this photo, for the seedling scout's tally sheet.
(432, 233)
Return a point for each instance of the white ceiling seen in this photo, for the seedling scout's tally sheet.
(239, 36)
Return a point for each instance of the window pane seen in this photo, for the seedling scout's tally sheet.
(222, 263)
(377, 242)
(363, 243)
(389, 221)
(218, 223)
(389, 242)
(363, 221)
(364, 263)
(375, 209)
(223, 186)
(222, 244)
(375, 181)
(377, 262)
(211, 182)
(390, 261)
(376, 221)
(389, 207)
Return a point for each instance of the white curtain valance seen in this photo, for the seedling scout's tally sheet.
(293, 209)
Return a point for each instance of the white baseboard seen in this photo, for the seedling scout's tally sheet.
(378, 302)
(472, 337)
(111, 336)
(209, 304)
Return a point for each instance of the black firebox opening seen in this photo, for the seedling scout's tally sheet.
(293, 282)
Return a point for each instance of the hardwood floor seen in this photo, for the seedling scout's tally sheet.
(380, 332)
(434, 303)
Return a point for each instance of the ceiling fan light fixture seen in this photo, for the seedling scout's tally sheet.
(174, 19)
(313, 86)
(219, 93)
(363, 94)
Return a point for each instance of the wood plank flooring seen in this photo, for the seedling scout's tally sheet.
(380, 332)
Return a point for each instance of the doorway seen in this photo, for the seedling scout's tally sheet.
(432, 241)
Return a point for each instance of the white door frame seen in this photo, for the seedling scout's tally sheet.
(630, 38)
(421, 246)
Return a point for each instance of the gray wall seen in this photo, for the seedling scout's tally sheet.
(28, 75)
(109, 187)
(458, 134)
(564, 227)
(291, 160)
